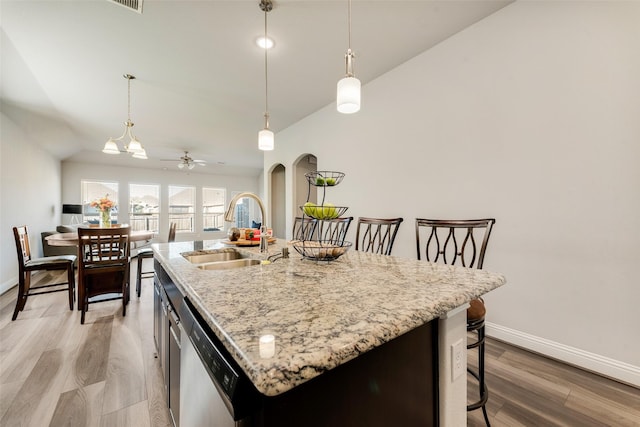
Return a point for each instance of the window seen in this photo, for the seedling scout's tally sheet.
(213, 206)
(93, 190)
(182, 202)
(247, 213)
(144, 207)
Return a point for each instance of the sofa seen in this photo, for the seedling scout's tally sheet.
(49, 250)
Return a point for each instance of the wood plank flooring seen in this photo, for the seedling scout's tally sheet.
(56, 372)
(527, 389)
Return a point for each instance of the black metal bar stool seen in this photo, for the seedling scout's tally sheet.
(146, 253)
(377, 235)
(451, 242)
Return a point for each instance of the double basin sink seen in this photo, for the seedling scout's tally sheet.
(220, 259)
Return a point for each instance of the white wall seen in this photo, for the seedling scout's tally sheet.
(73, 173)
(530, 116)
(29, 195)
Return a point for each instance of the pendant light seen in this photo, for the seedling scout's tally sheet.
(265, 136)
(348, 98)
(134, 147)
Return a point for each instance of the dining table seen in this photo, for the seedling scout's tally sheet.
(71, 239)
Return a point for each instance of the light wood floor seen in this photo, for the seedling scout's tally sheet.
(526, 389)
(56, 372)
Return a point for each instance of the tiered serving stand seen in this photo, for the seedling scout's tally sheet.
(318, 249)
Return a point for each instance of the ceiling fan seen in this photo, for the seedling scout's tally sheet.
(186, 161)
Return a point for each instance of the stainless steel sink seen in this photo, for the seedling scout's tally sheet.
(226, 265)
(213, 257)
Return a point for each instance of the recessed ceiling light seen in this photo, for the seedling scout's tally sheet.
(265, 43)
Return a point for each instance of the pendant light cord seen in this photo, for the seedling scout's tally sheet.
(266, 75)
(349, 25)
(349, 56)
(128, 99)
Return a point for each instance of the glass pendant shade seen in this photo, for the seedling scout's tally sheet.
(180, 165)
(142, 154)
(265, 140)
(191, 166)
(348, 98)
(134, 146)
(110, 147)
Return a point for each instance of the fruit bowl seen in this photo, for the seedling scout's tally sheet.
(324, 212)
(324, 178)
(321, 250)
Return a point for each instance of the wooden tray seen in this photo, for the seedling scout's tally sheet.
(243, 242)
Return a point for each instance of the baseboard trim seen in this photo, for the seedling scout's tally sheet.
(619, 371)
(5, 286)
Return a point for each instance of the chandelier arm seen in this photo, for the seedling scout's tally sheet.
(123, 134)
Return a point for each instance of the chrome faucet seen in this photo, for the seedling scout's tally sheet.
(230, 216)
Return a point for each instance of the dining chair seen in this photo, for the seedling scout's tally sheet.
(376, 235)
(304, 228)
(27, 264)
(147, 253)
(334, 230)
(461, 242)
(103, 266)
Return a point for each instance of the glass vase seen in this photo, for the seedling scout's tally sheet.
(105, 218)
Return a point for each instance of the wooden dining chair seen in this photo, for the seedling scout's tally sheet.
(376, 235)
(334, 230)
(147, 253)
(461, 242)
(103, 266)
(304, 228)
(27, 264)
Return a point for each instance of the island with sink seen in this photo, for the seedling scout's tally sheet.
(362, 340)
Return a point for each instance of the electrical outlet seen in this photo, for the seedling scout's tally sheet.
(457, 359)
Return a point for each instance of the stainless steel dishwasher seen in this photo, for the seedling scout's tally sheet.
(213, 389)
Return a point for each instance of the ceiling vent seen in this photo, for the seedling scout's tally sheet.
(135, 5)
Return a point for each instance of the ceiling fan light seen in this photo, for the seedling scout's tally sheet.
(180, 165)
(191, 165)
(265, 140)
(348, 98)
(110, 147)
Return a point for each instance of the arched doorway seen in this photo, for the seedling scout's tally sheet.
(304, 164)
(277, 202)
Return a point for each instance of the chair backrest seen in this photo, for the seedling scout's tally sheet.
(334, 230)
(453, 241)
(103, 246)
(376, 235)
(304, 228)
(21, 236)
(172, 232)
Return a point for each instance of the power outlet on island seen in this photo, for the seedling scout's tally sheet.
(457, 360)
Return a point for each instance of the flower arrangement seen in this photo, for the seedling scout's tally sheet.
(104, 205)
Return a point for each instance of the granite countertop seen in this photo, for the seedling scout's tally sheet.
(320, 314)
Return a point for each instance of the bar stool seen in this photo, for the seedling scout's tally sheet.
(376, 235)
(451, 242)
(333, 230)
(304, 228)
(146, 253)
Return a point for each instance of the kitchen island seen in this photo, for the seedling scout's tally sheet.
(322, 316)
